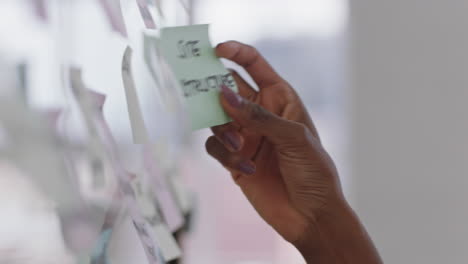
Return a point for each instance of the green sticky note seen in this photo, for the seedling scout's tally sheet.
(199, 73)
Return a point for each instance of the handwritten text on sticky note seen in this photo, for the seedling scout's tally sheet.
(199, 72)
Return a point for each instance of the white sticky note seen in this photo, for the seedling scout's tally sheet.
(158, 4)
(146, 234)
(168, 246)
(148, 207)
(146, 203)
(139, 130)
(149, 47)
(165, 194)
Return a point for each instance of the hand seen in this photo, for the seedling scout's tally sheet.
(274, 154)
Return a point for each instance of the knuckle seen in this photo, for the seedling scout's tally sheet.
(253, 55)
(217, 130)
(239, 179)
(230, 161)
(251, 49)
(301, 131)
(257, 113)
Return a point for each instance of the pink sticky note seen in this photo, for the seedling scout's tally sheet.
(113, 11)
(53, 116)
(40, 8)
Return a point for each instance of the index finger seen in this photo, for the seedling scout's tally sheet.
(252, 61)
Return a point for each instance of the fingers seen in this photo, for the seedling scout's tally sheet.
(229, 135)
(232, 161)
(252, 61)
(256, 118)
(245, 90)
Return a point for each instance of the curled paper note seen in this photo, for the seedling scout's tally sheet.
(146, 14)
(149, 47)
(113, 11)
(199, 72)
(140, 132)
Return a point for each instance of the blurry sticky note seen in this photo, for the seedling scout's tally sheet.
(199, 72)
(150, 57)
(149, 209)
(167, 244)
(113, 11)
(164, 192)
(146, 14)
(40, 8)
(140, 133)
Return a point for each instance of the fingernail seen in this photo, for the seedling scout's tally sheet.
(232, 139)
(231, 97)
(247, 167)
(230, 44)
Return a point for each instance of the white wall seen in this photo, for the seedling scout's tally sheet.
(410, 124)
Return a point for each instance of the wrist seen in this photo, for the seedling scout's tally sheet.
(315, 245)
(337, 236)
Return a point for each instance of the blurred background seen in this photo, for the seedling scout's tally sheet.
(385, 82)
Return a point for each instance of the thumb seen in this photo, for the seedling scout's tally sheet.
(257, 119)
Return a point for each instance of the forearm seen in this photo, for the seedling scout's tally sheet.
(338, 237)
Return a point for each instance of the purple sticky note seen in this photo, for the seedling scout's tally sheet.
(40, 8)
(146, 14)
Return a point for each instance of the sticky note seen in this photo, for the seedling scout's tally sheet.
(158, 4)
(156, 69)
(147, 237)
(146, 14)
(99, 254)
(149, 48)
(40, 8)
(113, 11)
(163, 191)
(139, 130)
(199, 73)
(149, 210)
